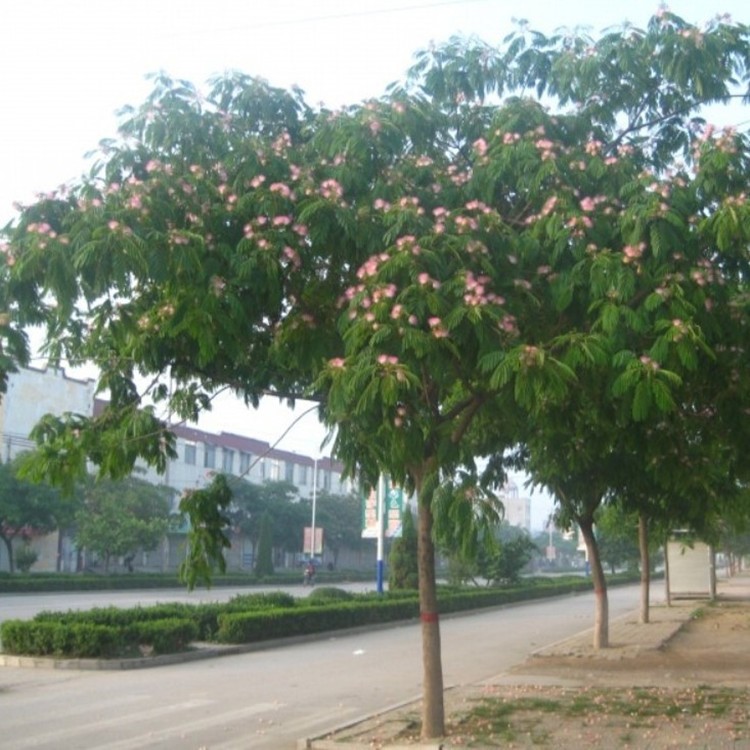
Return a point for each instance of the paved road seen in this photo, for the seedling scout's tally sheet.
(271, 698)
(25, 606)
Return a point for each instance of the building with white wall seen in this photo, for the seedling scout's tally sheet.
(32, 393)
(517, 508)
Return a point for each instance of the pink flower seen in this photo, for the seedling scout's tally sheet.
(634, 251)
(587, 204)
(331, 189)
(480, 146)
(281, 189)
(336, 362)
(549, 205)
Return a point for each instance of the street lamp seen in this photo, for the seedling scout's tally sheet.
(314, 501)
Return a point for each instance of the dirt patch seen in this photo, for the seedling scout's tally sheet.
(693, 692)
(713, 648)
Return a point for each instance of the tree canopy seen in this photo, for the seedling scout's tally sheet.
(27, 508)
(119, 518)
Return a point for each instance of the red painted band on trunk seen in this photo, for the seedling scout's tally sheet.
(429, 617)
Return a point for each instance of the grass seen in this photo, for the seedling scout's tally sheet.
(552, 717)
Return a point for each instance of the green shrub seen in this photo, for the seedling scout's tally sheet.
(403, 565)
(164, 628)
(87, 640)
(163, 636)
(329, 594)
(70, 640)
(262, 600)
(250, 627)
(24, 558)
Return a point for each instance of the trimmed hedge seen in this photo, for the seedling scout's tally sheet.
(88, 640)
(249, 618)
(205, 616)
(251, 627)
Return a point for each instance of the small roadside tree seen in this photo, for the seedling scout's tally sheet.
(28, 508)
(403, 560)
(341, 518)
(120, 517)
(264, 554)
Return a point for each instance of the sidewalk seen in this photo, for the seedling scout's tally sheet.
(627, 638)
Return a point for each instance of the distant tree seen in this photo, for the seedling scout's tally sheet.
(504, 562)
(499, 558)
(26, 507)
(341, 518)
(279, 499)
(118, 518)
(264, 550)
(617, 535)
(565, 545)
(25, 558)
(403, 573)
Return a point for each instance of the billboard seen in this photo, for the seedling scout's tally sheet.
(393, 506)
(307, 548)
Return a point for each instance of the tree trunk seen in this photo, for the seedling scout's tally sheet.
(433, 713)
(601, 611)
(667, 591)
(8, 541)
(645, 568)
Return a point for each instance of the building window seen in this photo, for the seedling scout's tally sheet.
(262, 468)
(227, 461)
(245, 461)
(289, 471)
(302, 474)
(209, 459)
(190, 453)
(275, 471)
(327, 481)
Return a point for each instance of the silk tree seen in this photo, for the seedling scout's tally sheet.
(440, 268)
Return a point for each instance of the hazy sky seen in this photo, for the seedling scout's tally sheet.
(66, 66)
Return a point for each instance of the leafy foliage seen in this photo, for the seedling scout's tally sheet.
(119, 518)
(27, 508)
(264, 555)
(402, 561)
(205, 509)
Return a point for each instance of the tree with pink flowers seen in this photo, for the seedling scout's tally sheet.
(536, 247)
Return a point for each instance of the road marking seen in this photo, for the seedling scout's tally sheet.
(121, 720)
(183, 729)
